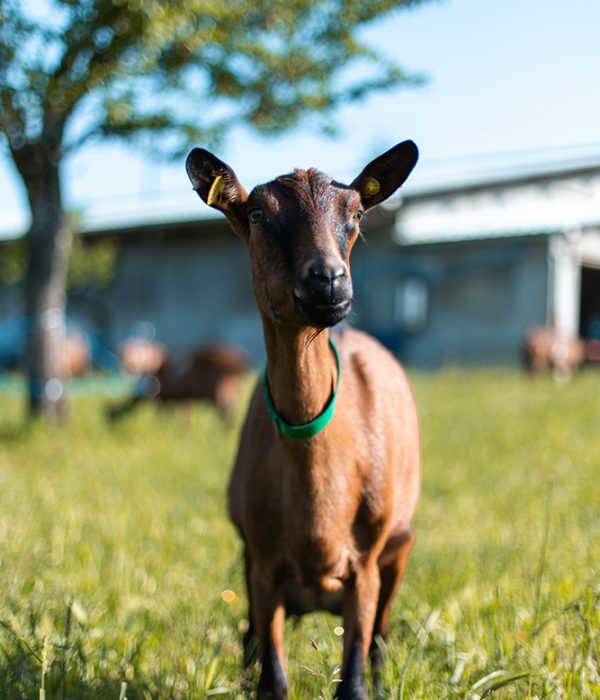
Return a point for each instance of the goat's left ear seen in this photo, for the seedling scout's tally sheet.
(382, 177)
(218, 186)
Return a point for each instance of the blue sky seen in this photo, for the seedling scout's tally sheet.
(510, 82)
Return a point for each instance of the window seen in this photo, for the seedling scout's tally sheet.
(411, 303)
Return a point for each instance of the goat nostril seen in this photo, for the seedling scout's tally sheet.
(337, 271)
(327, 272)
(318, 272)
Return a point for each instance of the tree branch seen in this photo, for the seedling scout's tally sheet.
(76, 144)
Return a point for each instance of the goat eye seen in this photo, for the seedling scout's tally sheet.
(255, 216)
(359, 214)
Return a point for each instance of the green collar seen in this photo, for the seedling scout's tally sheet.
(306, 430)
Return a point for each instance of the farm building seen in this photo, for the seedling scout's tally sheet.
(447, 275)
(497, 255)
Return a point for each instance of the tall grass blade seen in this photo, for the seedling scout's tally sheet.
(496, 680)
(543, 554)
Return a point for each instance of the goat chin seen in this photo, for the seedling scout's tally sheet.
(324, 316)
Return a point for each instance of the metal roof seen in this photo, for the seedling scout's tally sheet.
(534, 202)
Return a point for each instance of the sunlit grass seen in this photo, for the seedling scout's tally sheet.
(118, 564)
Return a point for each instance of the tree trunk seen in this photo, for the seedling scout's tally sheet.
(48, 248)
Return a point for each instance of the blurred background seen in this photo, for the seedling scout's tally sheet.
(496, 233)
(119, 570)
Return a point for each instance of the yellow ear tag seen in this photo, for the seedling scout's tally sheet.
(216, 189)
(371, 186)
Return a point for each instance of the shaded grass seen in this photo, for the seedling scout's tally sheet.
(118, 564)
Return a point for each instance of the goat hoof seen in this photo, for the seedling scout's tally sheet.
(351, 692)
(379, 693)
(277, 691)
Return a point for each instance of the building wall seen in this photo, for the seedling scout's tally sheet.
(188, 291)
(481, 297)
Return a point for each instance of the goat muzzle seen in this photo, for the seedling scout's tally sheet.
(324, 291)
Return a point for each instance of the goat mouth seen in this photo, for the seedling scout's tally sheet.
(323, 315)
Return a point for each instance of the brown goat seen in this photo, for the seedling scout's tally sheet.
(325, 519)
(213, 372)
(548, 350)
(77, 356)
(139, 356)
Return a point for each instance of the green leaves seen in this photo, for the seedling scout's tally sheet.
(194, 68)
(89, 265)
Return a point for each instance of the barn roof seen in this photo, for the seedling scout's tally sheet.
(532, 201)
(541, 198)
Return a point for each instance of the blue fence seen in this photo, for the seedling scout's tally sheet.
(110, 385)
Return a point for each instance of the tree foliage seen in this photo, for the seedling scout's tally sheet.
(184, 71)
(165, 71)
(90, 265)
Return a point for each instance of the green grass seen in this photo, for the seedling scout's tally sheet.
(115, 553)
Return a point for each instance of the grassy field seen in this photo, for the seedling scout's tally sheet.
(118, 565)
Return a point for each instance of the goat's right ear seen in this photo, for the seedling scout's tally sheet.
(218, 186)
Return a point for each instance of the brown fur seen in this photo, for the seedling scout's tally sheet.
(77, 357)
(213, 372)
(326, 522)
(141, 356)
(547, 350)
(592, 350)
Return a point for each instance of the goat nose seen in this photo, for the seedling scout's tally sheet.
(327, 270)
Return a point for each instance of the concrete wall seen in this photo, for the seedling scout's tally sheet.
(481, 297)
(191, 291)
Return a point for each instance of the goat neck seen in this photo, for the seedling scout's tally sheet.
(301, 370)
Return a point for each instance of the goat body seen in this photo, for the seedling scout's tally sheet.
(213, 372)
(547, 349)
(326, 520)
(77, 356)
(320, 514)
(138, 356)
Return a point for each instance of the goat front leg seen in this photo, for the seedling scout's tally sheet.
(360, 603)
(392, 564)
(268, 612)
(249, 641)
